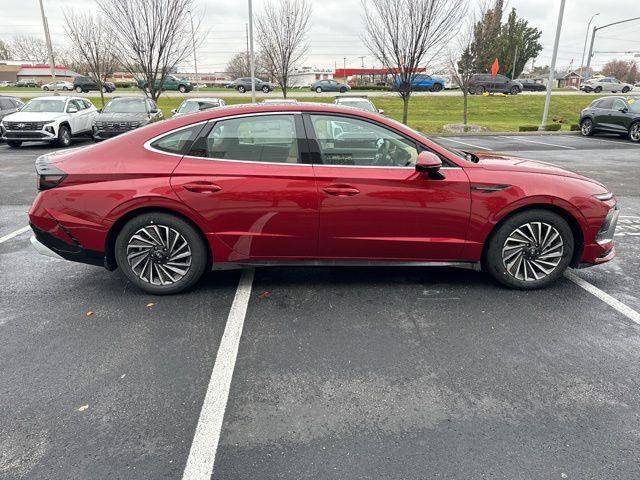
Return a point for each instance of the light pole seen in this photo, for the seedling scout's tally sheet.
(252, 65)
(193, 39)
(584, 49)
(47, 37)
(547, 101)
(593, 37)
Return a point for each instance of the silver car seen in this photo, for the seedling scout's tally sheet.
(606, 84)
(191, 105)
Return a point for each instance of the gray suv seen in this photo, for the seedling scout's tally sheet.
(8, 105)
(244, 85)
(484, 82)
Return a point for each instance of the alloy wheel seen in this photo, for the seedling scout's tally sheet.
(634, 133)
(586, 127)
(159, 255)
(532, 251)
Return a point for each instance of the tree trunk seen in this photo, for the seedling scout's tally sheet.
(465, 116)
(405, 109)
(101, 87)
(284, 91)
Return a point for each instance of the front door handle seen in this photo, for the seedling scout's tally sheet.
(341, 190)
(202, 187)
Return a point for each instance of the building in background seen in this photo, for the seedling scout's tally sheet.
(13, 71)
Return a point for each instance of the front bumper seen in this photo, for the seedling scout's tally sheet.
(602, 249)
(29, 135)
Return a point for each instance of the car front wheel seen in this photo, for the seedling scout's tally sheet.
(436, 87)
(64, 136)
(79, 89)
(182, 89)
(514, 90)
(597, 89)
(241, 89)
(530, 250)
(625, 89)
(318, 89)
(160, 253)
(634, 132)
(586, 127)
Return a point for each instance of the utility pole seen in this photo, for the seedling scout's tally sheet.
(47, 37)
(362, 61)
(586, 37)
(252, 63)
(195, 59)
(593, 37)
(515, 57)
(547, 101)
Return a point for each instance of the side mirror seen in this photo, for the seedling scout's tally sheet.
(72, 110)
(624, 110)
(381, 112)
(154, 110)
(174, 111)
(99, 110)
(429, 163)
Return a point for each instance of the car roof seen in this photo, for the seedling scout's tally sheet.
(203, 99)
(55, 98)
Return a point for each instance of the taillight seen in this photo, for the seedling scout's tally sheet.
(48, 175)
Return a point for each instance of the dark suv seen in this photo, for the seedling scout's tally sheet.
(8, 105)
(244, 85)
(85, 84)
(123, 114)
(484, 82)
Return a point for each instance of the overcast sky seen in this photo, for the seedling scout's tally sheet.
(336, 26)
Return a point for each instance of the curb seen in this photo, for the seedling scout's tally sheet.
(495, 134)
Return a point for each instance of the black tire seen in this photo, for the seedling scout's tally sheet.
(597, 89)
(514, 90)
(550, 223)
(64, 136)
(634, 132)
(241, 89)
(480, 90)
(343, 89)
(586, 127)
(194, 241)
(14, 143)
(265, 89)
(625, 89)
(66, 89)
(46, 89)
(436, 87)
(105, 90)
(182, 89)
(78, 89)
(318, 89)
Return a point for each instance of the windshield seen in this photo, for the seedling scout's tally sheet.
(126, 105)
(359, 104)
(196, 106)
(44, 106)
(634, 104)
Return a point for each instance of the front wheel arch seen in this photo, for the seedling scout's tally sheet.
(116, 228)
(578, 234)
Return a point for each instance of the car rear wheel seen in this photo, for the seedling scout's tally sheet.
(318, 89)
(586, 127)
(530, 250)
(64, 136)
(625, 89)
(480, 90)
(265, 89)
(182, 89)
(14, 143)
(514, 90)
(78, 89)
(66, 89)
(634, 132)
(160, 253)
(241, 89)
(436, 87)
(343, 89)
(45, 88)
(597, 89)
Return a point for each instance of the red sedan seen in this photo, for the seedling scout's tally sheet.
(311, 185)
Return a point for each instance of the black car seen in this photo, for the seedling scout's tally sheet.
(531, 85)
(83, 84)
(8, 105)
(484, 82)
(612, 115)
(123, 114)
(26, 83)
(244, 85)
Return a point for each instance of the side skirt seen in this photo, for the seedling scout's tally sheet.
(343, 263)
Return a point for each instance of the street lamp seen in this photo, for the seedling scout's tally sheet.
(193, 39)
(252, 62)
(547, 100)
(593, 36)
(584, 49)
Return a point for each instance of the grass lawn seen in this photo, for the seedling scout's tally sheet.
(430, 113)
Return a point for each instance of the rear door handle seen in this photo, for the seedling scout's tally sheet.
(341, 190)
(202, 187)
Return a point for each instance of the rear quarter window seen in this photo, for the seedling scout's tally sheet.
(177, 142)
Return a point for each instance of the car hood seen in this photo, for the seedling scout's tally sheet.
(516, 164)
(33, 116)
(121, 117)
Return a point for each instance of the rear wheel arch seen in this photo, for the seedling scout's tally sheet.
(116, 228)
(576, 229)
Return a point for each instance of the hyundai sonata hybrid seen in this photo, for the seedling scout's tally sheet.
(309, 184)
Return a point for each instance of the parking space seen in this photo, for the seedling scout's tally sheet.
(391, 373)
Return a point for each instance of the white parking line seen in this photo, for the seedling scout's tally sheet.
(467, 144)
(619, 142)
(520, 139)
(628, 312)
(14, 234)
(205, 441)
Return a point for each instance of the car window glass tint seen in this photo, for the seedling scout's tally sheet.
(619, 104)
(349, 141)
(5, 104)
(606, 103)
(177, 141)
(268, 138)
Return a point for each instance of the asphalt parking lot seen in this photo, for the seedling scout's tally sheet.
(342, 373)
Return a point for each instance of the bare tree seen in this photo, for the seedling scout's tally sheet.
(282, 30)
(404, 34)
(5, 51)
(30, 48)
(152, 37)
(239, 67)
(93, 46)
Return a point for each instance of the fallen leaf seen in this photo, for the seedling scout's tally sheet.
(151, 305)
(123, 375)
(264, 295)
(83, 408)
(89, 313)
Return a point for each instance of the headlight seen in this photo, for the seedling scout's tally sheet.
(604, 196)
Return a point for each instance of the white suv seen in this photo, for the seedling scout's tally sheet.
(606, 84)
(49, 119)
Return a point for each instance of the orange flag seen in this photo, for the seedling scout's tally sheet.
(494, 68)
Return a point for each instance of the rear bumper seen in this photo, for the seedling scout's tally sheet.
(50, 245)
